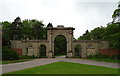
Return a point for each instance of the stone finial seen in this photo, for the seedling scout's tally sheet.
(50, 25)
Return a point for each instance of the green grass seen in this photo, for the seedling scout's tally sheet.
(105, 60)
(14, 61)
(67, 68)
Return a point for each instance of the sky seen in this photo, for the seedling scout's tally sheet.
(81, 14)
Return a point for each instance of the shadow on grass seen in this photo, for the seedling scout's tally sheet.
(60, 75)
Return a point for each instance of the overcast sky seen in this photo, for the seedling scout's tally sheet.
(81, 14)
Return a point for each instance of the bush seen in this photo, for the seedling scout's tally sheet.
(101, 56)
(9, 54)
(26, 57)
(90, 56)
(116, 57)
(98, 56)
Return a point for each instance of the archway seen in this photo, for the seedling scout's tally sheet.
(77, 50)
(42, 52)
(60, 45)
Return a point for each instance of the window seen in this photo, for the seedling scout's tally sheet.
(90, 46)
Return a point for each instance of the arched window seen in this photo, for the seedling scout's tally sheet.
(90, 46)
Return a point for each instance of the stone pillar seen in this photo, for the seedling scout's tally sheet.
(70, 51)
(53, 48)
(50, 53)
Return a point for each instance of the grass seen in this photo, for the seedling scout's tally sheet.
(105, 60)
(14, 61)
(67, 68)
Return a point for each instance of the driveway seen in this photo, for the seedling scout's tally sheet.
(38, 62)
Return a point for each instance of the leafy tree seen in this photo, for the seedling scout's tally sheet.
(86, 36)
(112, 33)
(27, 32)
(38, 30)
(6, 33)
(116, 14)
(17, 30)
(97, 33)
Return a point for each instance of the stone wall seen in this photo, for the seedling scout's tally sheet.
(90, 47)
(32, 47)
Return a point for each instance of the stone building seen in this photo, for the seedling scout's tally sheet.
(87, 47)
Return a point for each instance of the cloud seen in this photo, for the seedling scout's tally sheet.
(70, 13)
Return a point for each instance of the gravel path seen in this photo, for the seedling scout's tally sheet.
(37, 62)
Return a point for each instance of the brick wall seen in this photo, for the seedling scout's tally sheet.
(109, 52)
(18, 50)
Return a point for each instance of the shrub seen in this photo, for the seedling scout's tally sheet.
(116, 57)
(98, 56)
(9, 54)
(26, 57)
(90, 56)
(43, 57)
(101, 56)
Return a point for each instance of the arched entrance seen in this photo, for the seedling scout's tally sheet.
(52, 33)
(42, 52)
(77, 49)
(60, 46)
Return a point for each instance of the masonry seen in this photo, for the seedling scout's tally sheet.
(31, 47)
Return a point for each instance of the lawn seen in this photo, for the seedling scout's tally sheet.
(67, 68)
(14, 61)
(105, 60)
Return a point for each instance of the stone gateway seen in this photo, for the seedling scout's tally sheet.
(32, 47)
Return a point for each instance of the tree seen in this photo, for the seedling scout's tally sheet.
(27, 26)
(6, 33)
(86, 36)
(18, 30)
(97, 33)
(11, 31)
(112, 33)
(116, 14)
(39, 32)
